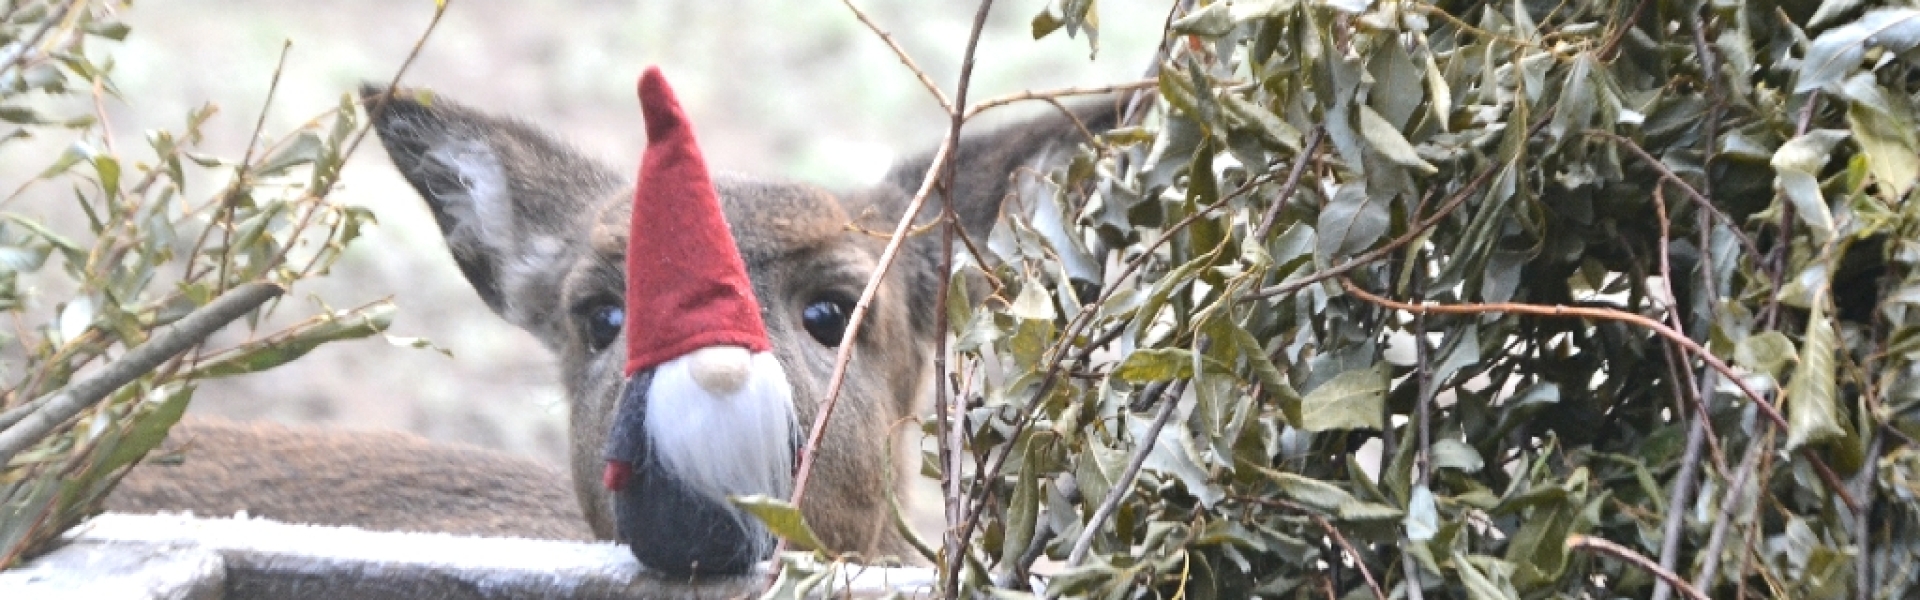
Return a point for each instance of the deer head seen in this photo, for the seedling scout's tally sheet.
(543, 235)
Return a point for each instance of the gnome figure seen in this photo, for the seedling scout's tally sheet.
(707, 411)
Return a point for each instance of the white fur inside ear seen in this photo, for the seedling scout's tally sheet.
(724, 444)
(485, 199)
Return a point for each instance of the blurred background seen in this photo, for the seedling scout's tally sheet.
(792, 89)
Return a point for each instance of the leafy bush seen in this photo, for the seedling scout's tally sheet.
(95, 375)
(1462, 299)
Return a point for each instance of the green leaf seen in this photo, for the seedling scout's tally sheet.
(1423, 515)
(112, 30)
(298, 340)
(1248, 10)
(1163, 364)
(149, 427)
(1538, 551)
(1270, 127)
(1479, 585)
(1812, 412)
(304, 149)
(781, 517)
(1829, 11)
(1883, 124)
(1450, 453)
(1768, 352)
(1369, 511)
(1175, 453)
(1081, 581)
(1045, 23)
(1838, 51)
(1023, 509)
(1388, 142)
(1350, 223)
(1351, 400)
(1797, 164)
(1212, 21)
(20, 115)
(1312, 492)
(1033, 303)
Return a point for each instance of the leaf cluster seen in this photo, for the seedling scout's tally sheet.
(120, 243)
(1465, 300)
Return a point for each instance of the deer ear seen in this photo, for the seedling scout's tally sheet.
(989, 163)
(988, 168)
(510, 200)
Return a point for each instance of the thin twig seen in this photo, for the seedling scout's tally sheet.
(1734, 499)
(1332, 532)
(1413, 233)
(1286, 189)
(1862, 521)
(231, 199)
(905, 59)
(976, 109)
(953, 422)
(26, 46)
(1423, 412)
(1581, 542)
(1122, 487)
(844, 355)
(1612, 46)
(1085, 318)
(186, 333)
(1446, 208)
(1705, 203)
(326, 187)
(1677, 502)
(1696, 434)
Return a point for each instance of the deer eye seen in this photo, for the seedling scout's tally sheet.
(826, 319)
(603, 324)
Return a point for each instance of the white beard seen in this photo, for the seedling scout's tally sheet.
(724, 443)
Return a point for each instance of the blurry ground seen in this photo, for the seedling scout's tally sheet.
(796, 89)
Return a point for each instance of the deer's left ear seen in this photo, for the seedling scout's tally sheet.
(987, 164)
(509, 199)
(987, 170)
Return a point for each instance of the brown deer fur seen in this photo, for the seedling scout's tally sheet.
(540, 233)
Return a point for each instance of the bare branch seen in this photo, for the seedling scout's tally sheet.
(1122, 487)
(1581, 542)
(1059, 93)
(188, 332)
(26, 46)
(905, 59)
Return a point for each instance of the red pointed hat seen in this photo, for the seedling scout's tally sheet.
(687, 288)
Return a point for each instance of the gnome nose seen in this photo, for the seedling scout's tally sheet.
(721, 370)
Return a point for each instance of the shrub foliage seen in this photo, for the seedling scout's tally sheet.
(1462, 300)
(106, 243)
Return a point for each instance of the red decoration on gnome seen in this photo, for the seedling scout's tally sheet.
(716, 395)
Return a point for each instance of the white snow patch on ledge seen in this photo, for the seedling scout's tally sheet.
(173, 556)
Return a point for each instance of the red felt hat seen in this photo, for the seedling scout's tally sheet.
(687, 288)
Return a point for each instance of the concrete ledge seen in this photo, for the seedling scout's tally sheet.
(168, 556)
(92, 570)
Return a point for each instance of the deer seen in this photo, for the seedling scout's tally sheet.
(540, 232)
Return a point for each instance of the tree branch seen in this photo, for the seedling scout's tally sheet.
(1602, 546)
(67, 403)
